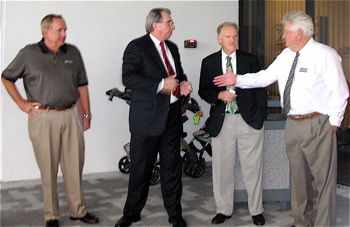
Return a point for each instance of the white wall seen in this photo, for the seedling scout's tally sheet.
(1, 87)
(101, 30)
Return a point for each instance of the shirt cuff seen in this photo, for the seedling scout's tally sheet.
(160, 86)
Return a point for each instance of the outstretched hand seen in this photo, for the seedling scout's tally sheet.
(228, 79)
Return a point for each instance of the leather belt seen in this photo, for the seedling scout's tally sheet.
(303, 117)
(55, 108)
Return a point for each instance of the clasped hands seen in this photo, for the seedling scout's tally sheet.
(228, 79)
(171, 83)
(227, 96)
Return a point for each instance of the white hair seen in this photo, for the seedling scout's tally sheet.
(298, 19)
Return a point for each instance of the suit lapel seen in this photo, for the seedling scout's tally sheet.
(155, 54)
(240, 62)
(217, 64)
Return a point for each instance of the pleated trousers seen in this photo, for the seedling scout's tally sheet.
(237, 137)
(312, 150)
(58, 140)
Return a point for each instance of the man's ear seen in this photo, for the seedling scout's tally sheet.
(45, 31)
(300, 32)
(218, 39)
(155, 26)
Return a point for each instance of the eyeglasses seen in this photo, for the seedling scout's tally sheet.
(169, 22)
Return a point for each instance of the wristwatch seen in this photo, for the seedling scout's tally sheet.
(87, 116)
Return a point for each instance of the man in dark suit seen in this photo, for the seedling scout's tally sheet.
(236, 125)
(152, 70)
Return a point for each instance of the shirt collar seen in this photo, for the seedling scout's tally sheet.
(307, 45)
(155, 40)
(46, 50)
(224, 55)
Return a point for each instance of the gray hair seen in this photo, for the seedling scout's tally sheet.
(230, 24)
(298, 19)
(47, 21)
(155, 16)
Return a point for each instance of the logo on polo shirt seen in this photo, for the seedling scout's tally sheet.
(68, 61)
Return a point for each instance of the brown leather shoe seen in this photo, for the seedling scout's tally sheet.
(88, 218)
(52, 223)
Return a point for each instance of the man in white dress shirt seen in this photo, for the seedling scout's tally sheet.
(318, 99)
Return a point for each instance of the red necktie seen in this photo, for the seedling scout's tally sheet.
(169, 68)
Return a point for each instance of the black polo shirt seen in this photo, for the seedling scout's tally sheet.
(51, 79)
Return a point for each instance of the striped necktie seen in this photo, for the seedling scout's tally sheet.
(231, 107)
(169, 68)
(286, 93)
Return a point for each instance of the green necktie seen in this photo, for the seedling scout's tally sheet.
(231, 107)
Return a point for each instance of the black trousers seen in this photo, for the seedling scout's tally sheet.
(143, 154)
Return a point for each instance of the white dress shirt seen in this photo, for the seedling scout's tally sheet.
(319, 83)
(156, 42)
(224, 61)
(224, 64)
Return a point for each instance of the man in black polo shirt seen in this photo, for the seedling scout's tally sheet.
(54, 79)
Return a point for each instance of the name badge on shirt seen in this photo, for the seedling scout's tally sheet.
(303, 70)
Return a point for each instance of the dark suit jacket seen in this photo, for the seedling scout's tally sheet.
(143, 70)
(252, 103)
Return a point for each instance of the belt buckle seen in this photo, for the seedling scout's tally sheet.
(297, 117)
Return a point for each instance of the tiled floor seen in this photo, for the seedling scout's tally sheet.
(21, 203)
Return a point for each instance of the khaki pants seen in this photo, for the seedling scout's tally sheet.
(58, 139)
(237, 136)
(312, 150)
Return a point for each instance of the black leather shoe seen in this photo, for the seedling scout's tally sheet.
(258, 219)
(125, 221)
(52, 223)
(88, 218)
(136, 218)
(219, 218)
(178, 222)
